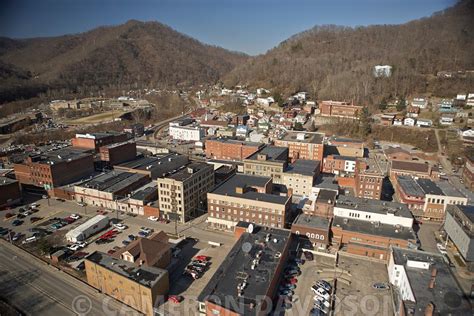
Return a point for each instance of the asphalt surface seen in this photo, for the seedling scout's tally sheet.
(38, 289)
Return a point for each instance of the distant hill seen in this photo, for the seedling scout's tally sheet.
(134, 54)
(335, 62)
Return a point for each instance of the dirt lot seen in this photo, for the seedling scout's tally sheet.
(96, 118)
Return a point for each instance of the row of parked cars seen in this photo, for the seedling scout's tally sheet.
(197, 267)
(322, 298)
(288, 284)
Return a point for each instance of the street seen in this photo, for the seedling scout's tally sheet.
(38, 289)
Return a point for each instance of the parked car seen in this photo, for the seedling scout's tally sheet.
(30, 239)
(326, 296)
(309, 256)
(132, 237)
(17, 222)
(142, 234)
(75, 216)
(176, 299)
(17, 236)
(74, 247)
(153, 218)
(3, 231)
(120, 226)
(8, 215)
(202, 258)
(125, 242)
(101, 241)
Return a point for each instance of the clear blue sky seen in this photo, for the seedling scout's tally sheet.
(251, 26)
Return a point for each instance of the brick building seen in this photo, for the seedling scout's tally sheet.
(303, 145)
(412, 168)
(369, 179)
(313, 231)
(339, 165)
(468, 172)
(347, 147)
(139, 287)
(246, 198)
(10, 193)
(230, 149)
(339, 109)
(117, 153)
(301, 175)
(94, 141)
(55, 168)
(270, 161)
(182, 193)
(247, 280)
(154, 166)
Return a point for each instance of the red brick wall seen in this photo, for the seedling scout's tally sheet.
(149, 210)
(118, 154)
(233, 151)
(9, 192)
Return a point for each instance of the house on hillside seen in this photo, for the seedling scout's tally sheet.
(421, 103)
(424, 123)
(398, 120)
(409, 121)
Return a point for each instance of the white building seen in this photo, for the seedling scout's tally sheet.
(446, 120)
(265, 101)
(373, 211)
(421, 281)
(424, 123)
(421, 103)
(349, 165)
(409, 121)
(187, 133)
(382, 71)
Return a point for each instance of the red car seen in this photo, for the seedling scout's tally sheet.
(291, 281)
(176, 299)
(202, 258)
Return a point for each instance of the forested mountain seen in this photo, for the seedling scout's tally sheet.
(135, 54)
(337, 62)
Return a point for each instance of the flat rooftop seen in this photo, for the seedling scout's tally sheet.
(235, 141)
(189, 170)
(410, 166)
(158, 166)
(309, 137)
(60, 155)
(273, 153)
(6, 181)
(446, 295)
(237, 267)
(410, 186)
(113, 181)
(98, 135)
(145, 276)
(375, 229)
(228, 188)
(373, 206)
(326, 196)
(448, 189)
(304, 167)
(312, 221)
(143, 192)
(327, 181)
(429, 187)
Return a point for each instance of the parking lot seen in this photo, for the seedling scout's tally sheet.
(355, 290)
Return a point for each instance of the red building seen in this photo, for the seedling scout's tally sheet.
(229, 149)
(96, 140)
(340, 109)
(118, 153)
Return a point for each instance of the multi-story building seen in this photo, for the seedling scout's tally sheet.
(94, 141)
(427, 199)
(412, 168)
(371, 227)
(303, 145)
(10, 193)
(107, 189)
(270, 161)
(423, 284)
(300, 176)
(340, 109)
(339, 165)
(138, 199)
(114, 154)
(182, 193)
(313, 231)
(55, 168)
(368, 179)
(468, 172)
(246, 198)
(187, 133)
(230, 149)
(247, 280)
(137, 286)
(155, 166)
(459, 227)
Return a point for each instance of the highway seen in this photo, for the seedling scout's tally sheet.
(38, 289)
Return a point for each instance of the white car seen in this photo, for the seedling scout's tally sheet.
(82, 244)
(75, 216)
(81, 204)
(34, 205)
(74, 247)
(153, 218)
(120, 226)
(320, 295)
(145, 230)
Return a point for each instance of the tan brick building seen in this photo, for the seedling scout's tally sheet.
(339, 109)
(182, 193)
(229, 149)
(139, 287)
(270, 161)
(246, 198)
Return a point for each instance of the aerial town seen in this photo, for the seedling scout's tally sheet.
(287, 159)
(217, 212)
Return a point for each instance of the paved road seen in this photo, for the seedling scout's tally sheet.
(38, 289)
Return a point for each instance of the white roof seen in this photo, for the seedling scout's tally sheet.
(93, 221)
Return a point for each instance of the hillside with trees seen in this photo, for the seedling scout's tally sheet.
(334, 62)
(132, 55)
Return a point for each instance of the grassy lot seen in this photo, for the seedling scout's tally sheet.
(96, 118)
